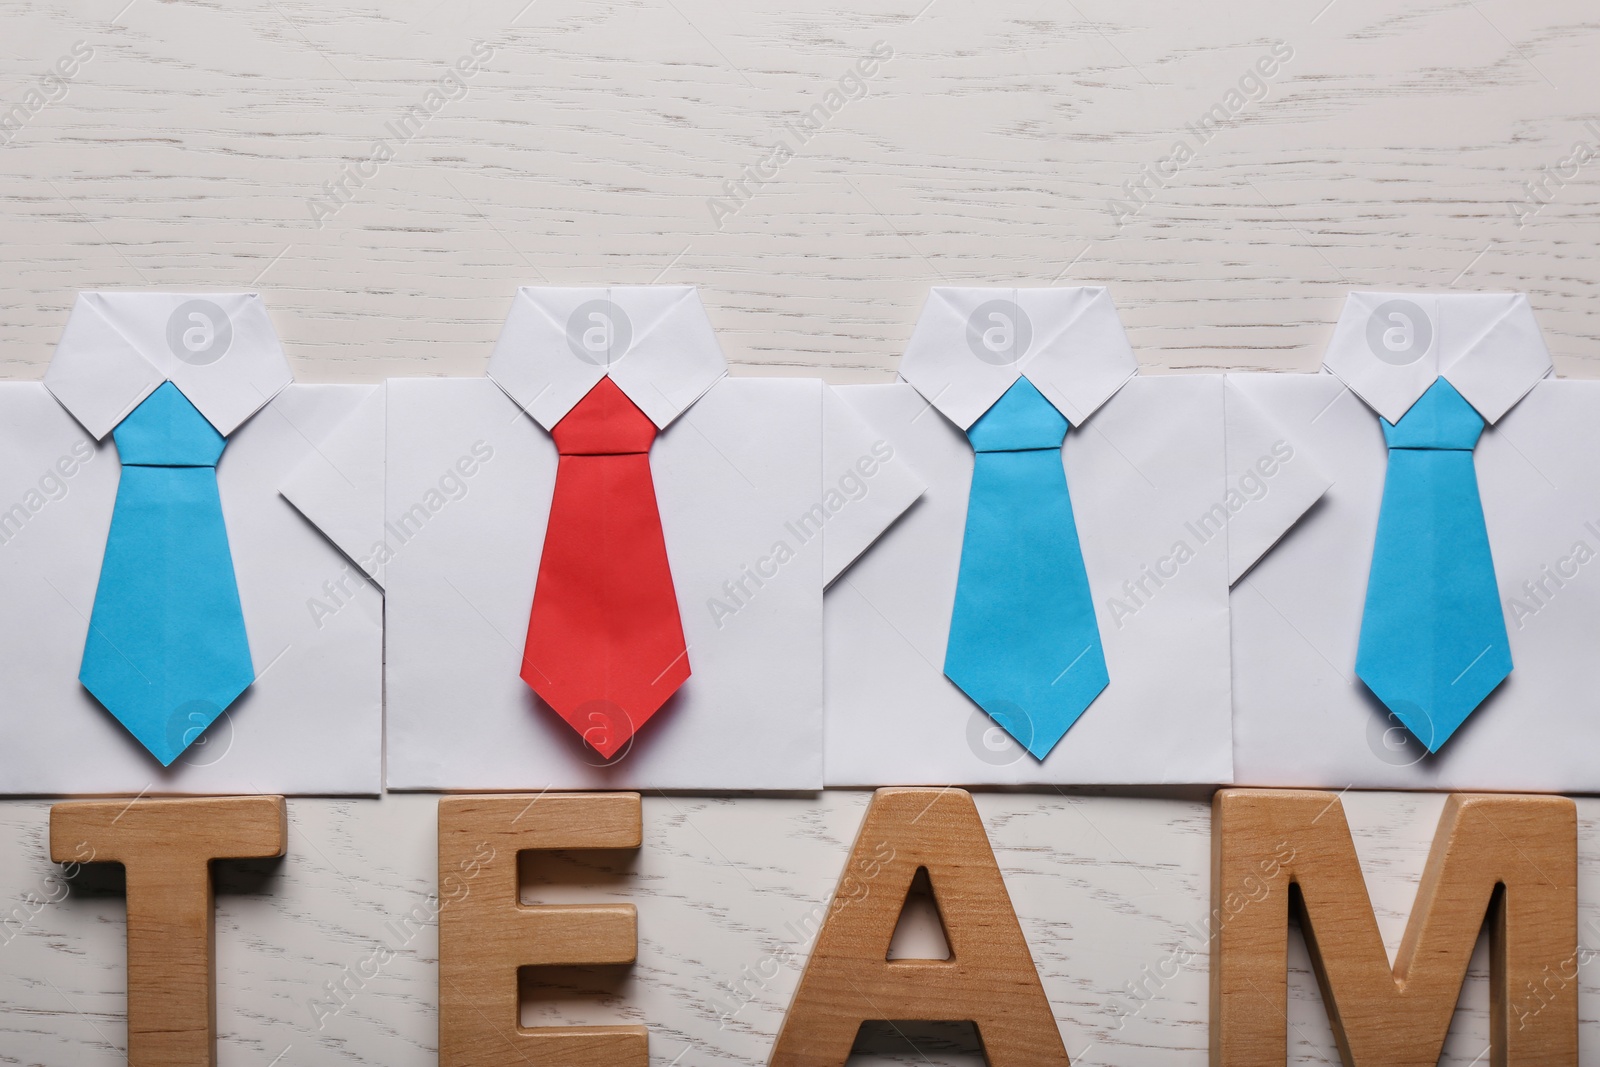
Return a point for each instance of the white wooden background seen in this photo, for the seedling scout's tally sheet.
(1388, 151)
(187, 151)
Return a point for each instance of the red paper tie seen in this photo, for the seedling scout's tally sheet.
(605, 645)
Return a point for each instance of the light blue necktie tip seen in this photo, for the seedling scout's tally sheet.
(1040, 717)
(165, 725)
(1434, 717)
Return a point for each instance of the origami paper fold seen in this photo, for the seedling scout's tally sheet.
(1178, 486)
(311, 722)
(767, 489)
(1302, 716)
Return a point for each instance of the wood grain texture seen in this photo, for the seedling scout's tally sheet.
(166, 848)
(1112, 893)
(486, 934)
(989, 977)
(1392, 150)
(1508, 860)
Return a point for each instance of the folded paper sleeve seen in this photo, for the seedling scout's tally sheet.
(1272, 477)
(339, 486)
(866, 477)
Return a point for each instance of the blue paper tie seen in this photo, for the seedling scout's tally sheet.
(1433, 638)
(167, 650)
(1024, 644)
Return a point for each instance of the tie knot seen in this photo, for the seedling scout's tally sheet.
(604, 423)
(1021, 420)
(1440, 419)
(165, 430)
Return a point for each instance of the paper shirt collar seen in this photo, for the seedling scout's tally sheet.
(219, 349)
(653, 341)
(1390, 347)
(970, 345)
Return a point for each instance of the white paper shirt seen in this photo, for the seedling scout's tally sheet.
(740, 467)
(312, 720)
(1153, 463)
(1302, 716)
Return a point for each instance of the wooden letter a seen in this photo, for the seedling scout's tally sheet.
(989, 978)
